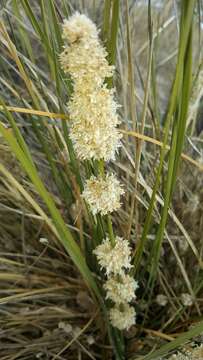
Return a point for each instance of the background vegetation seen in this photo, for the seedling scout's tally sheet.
(50, 301)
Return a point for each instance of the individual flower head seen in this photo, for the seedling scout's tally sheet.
(95, 142)
(84, 56)
(103, 194)
(114, 259)
(187, 299)
(161, 299)
(87, 63)
(121, 289)
(78, 27)
(92, 108)
(93, 123)
(122, 316)
(96, 107)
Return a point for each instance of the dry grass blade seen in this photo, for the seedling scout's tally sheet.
(127, 132)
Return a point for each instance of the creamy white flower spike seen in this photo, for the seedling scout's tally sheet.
(93, 131)
(114, 259)
(122, 316)
(103, 194)
(121, 289)
(83, 54)
(92, 108)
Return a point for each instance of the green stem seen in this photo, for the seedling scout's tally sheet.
(183, 43)
(106, 20)
(101, 168)
(110, 230)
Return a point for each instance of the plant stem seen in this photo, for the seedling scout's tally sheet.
(110, 230)
(101, 168)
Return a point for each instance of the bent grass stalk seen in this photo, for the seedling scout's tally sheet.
(127, 132)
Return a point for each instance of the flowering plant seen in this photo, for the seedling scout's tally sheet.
(95, 136)
(93, 195)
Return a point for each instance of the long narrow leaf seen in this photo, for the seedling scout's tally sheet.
(65, 236)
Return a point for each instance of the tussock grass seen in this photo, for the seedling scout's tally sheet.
(51, 301)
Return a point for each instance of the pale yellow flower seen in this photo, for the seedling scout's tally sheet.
(161, 299)
(96, 107)
(94, 120)
(95, 142)
(121, 289)
(114, 259)
(87, 62)
(122, 316)
(187, 299)
(103, 194)
(92, 108)
(78, 27)
(84, 57)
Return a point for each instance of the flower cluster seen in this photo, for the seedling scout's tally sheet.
(92, 108)
(120, 287)
(93, 131)
(83, 57)
(103, 194)
(123, 316)
(114, 260)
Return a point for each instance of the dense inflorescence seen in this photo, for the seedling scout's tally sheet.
(92, 108)
(93, 131)
(103, 194)
(120, 287)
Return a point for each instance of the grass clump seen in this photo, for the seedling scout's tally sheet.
(60, 127)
